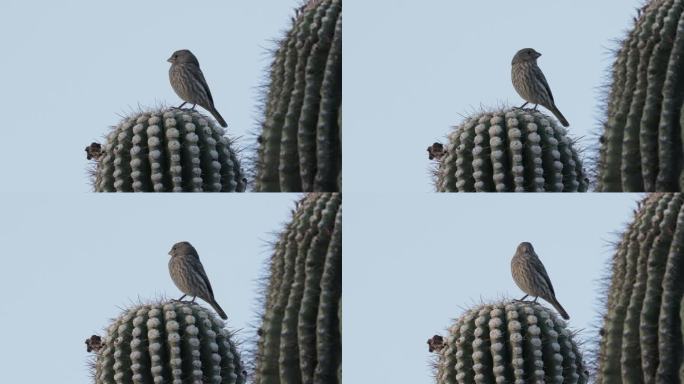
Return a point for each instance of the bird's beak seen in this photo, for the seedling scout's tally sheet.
(537, 55)
(169, 59)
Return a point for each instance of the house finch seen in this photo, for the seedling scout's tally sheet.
(189, 276)
(530, 275)
(530, 83)
(188, 82)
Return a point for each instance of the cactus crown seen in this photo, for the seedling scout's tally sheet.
(641, 144)
(300, 145)
(510, 342)
(167, 150)
(174, 342)
(510, 150)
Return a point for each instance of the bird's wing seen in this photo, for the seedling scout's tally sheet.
(538, 74)
(199, 269)
(539, 267)
(200, 78)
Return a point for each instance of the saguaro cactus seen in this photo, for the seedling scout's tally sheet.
(510, 150)
(641, 145)
(514, 342)
(300, 146)
(300, 335)
(173, 150)
(642, 334)
(171, 342)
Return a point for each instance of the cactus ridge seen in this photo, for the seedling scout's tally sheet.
(168, 150)
(300, 142)
(513, 150)
(510, 342)
(173, 342)
(641, 146)
(642, 336)
(300, 339)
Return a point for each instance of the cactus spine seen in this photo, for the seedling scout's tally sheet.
(641, 146)
(300, 146)
(510, 150)
(642, 335)
(514, 342)
(174, 150)
(300, 335)
(168, 343)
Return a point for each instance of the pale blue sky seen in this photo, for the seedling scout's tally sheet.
(413, 69)
(72, 67)
(412, 265)
(68, 268)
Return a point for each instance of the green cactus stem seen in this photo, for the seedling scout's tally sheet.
(300, 335)
(641, 144)
(300, 147)
(642, 338)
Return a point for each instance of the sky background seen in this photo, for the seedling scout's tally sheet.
(411, 266)
(414, 69)
(68, 269)
(74, 68)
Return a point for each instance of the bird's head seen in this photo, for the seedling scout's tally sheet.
(525, 54)
(183, 56)
(525, 247)
(182, 248)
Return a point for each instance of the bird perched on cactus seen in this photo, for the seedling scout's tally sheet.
(530, 83)
(188, 274)
(530, 275)
(188, 81)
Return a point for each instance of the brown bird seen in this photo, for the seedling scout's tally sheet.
(530, 275)
(530, 83)
(188, 82)
(188, 274)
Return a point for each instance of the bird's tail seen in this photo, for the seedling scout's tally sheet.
(218, 309)
(218, 117)
(560, 309)
(558, 115)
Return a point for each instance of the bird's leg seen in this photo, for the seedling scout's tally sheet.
(193, 299)
(535, 107)
(535, 299)
(180, 106)
(181, 298)
(523, 298)
(193, 107)
(523, 106)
